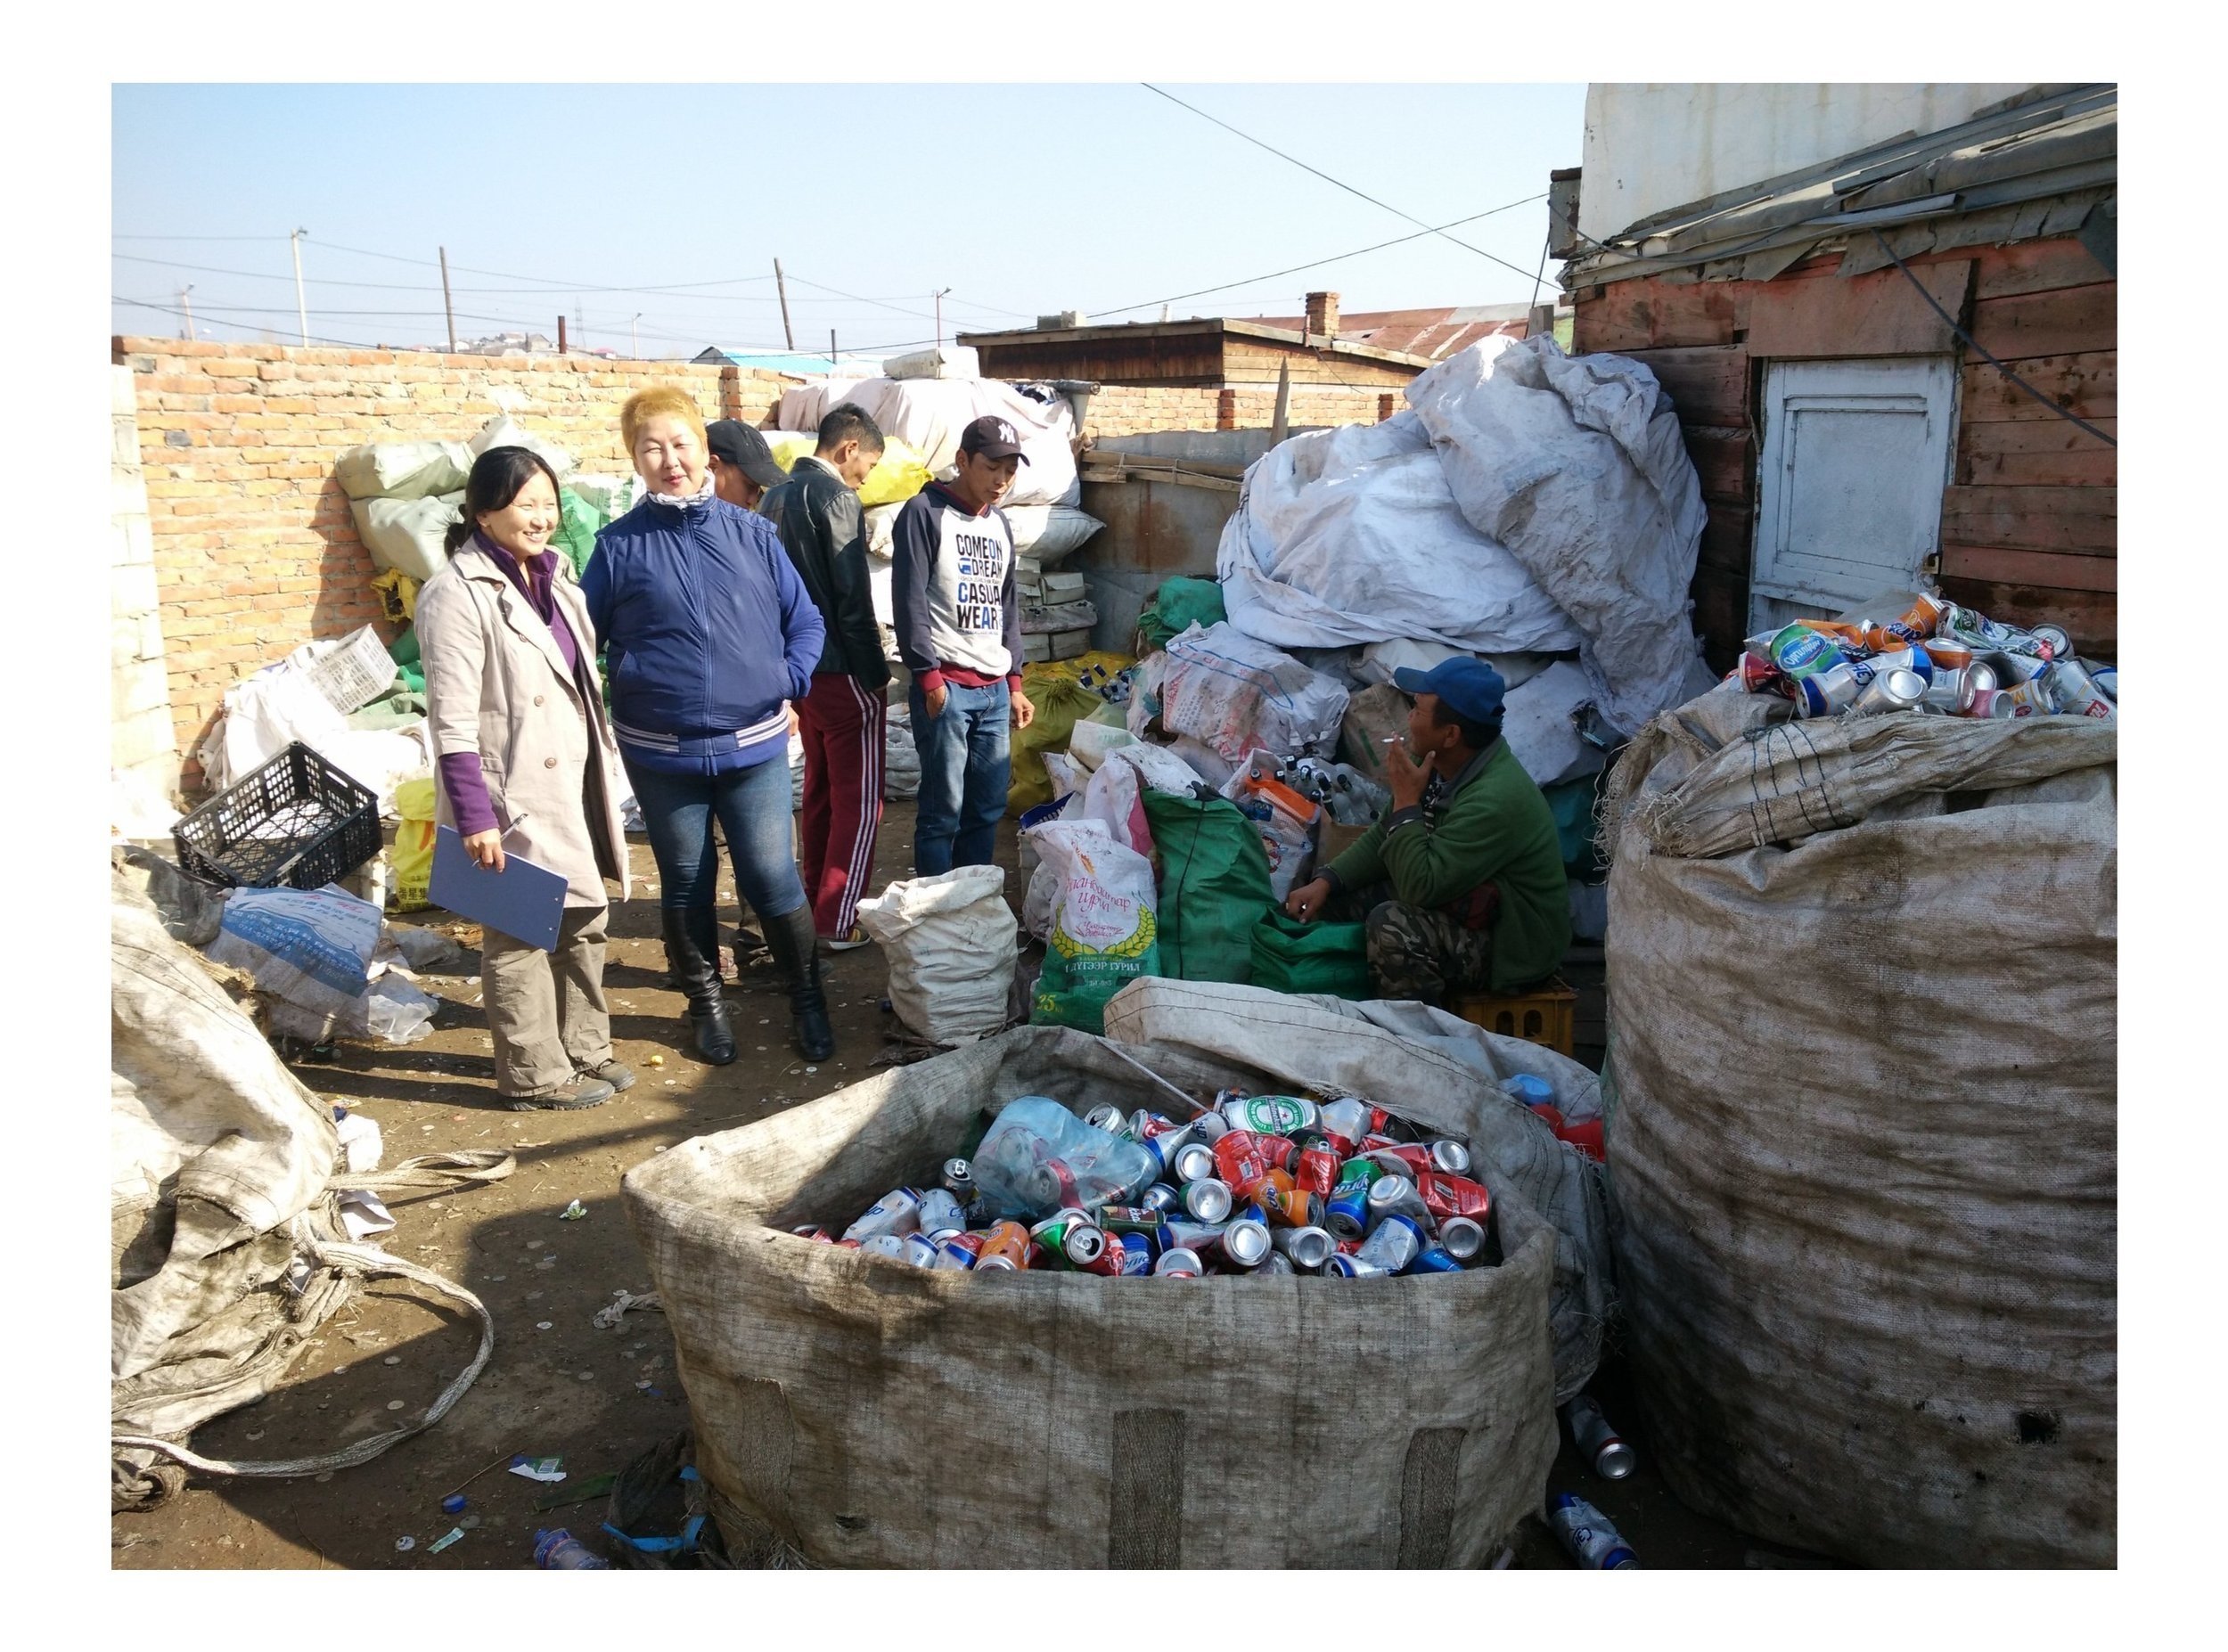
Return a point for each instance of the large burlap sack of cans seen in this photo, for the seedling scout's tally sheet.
(851, 1410)
(1862, 990)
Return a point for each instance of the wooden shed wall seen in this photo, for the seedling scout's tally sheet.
(2029, 522)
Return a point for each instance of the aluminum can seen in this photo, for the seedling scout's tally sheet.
(1051, 1183)
(2107, 679)
(1800, 652)
(1450, 1157)
(1435, 1259)
(1317, 1170)
(1308, 1249)
(1948, 654)
(1992, 703)
(2011, 669)
(1828, 693)
(1454, 1196)
(941, 1211)
(1004, 1245)
(1891, 691)
(1160, 1199)
(1344, 1267)
(1409, 1158)
(1145, 1123)
(1129, 1219)
(1244, 1157)
(1071, 1237)
(818, 1235)
(957, 1253)
(1207, 1200)
(2033, 697)
(959, 1181)
(1951, 691)
(1757, 676)
(1347, 1212)
(890, 1245)
(1346, 1122)
(1596, 1441)
(1269, 1115)
(1243, 1245)
(1107, 1117)
(1910, 657)
(1462, 1237)
(1181, 1233)
(1138, 1253)
(2055, 639)
(1364, 1170)
(1209, 1127)
(1291, 1205)
(1588, 1535)
(1391, 1195)
(2077, 693)
(1393, 1243)
(897, 1213)
(1179, 1264)
(920, 1250)
(1194, 1162)
(1277, 1262)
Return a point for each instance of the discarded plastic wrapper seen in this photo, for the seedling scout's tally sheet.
(572, 1212)
(455, 1534)
(363, 1214)
(546, 1469)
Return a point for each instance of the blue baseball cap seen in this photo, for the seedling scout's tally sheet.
(1471, 688)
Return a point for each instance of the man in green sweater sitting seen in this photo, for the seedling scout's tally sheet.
(1461, 882)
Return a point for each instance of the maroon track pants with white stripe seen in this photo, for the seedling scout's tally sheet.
(842, 724)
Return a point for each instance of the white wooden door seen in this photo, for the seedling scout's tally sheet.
(1849, 484)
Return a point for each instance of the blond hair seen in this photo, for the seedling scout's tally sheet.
(658, 401)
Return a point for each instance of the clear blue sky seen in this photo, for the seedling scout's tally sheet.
(1021, 199)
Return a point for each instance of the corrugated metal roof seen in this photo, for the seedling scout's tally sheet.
(2038, 168)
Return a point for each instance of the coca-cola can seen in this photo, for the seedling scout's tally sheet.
(1450, 1157)
(1759, 675)
(1180, 1263)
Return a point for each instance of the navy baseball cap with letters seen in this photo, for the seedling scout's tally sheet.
(1468, 687)
(993, 438)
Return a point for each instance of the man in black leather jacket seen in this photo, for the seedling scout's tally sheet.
(842, 719)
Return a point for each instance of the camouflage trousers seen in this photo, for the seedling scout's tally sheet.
(1415, 954)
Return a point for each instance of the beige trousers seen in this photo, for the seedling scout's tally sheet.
(547, 1011)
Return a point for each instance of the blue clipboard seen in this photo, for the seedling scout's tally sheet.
(524, 901)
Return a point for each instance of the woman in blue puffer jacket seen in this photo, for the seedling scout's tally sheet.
(709, 634)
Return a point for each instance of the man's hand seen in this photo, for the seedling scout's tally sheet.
(1307, 902)
(1024, 709)
(791, 709)
(486, 848)
(1405, 777)
(936, 697)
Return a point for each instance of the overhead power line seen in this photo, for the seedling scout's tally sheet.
(1327, 178)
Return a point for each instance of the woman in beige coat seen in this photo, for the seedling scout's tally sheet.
(525, 761)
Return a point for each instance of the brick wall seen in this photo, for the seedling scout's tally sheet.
(1131, 409)
(255, 552)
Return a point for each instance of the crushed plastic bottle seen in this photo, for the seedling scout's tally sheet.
(559, 1551)
(1039, 1158)
(1586, 1533)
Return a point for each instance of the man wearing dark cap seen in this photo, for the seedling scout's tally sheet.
(843, 721)
(742, 465)
(959, 632)
(1461, 883)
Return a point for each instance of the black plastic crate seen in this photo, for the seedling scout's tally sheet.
(296, 821)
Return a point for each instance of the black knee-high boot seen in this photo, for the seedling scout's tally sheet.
(692, 951)
(796, 954)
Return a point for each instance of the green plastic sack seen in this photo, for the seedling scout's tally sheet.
(1213, 887)
(1290, 956)
(1059, 701)
(1176, 607)
(577, 521)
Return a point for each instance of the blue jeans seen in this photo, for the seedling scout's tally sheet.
(965, 762)
(753, 808)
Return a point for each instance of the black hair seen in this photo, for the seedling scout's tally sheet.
(1477, 735)
(850, 422)
(497, 476)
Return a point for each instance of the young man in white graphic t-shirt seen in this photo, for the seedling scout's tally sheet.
(959, 632)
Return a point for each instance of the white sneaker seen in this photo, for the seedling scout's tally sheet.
(858, 937)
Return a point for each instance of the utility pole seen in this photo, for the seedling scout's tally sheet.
(448, 305)
(561, 332)
(939, 317)
(301, 305)
(186, 297)
(634, 335)
(831, 352)
(781, 288)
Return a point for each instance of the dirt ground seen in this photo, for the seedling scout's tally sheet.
(557, 1385)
